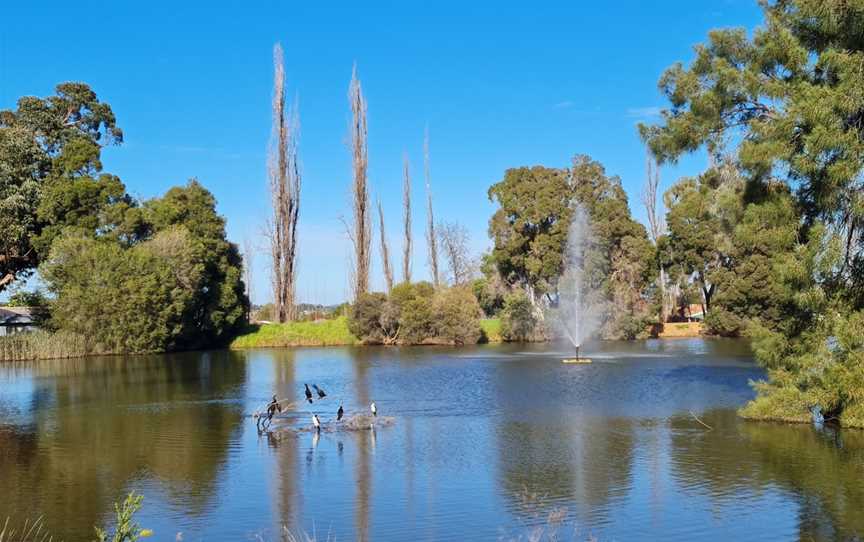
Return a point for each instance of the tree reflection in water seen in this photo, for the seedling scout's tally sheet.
(823, 470)
(93, 426)
(584, 466)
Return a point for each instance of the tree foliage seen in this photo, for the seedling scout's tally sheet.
(218, 307)
(51, 176)
(791, 101)
(181, 288)
(518, 322)
(530, 229)
(129, 277)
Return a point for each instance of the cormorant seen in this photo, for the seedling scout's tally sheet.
(308, 393)
(373, 408)
(273, 408)
(321, 394)
(316, 422)
(339, 413)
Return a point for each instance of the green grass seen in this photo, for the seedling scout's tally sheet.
(322, 333)
(491, 329)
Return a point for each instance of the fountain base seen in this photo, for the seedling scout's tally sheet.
(576, 360)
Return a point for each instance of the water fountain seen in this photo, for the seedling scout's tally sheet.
(578, 308)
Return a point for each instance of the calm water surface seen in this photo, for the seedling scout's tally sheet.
(487, 443)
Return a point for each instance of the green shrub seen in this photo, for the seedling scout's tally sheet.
(823, 366)
(456, 315)
(724, 323)
(364, 319)
(125, 527)
(518, 322)
(415, 322)
(490, 298)
(415, 313)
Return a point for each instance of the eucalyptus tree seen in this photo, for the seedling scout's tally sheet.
(51, 177)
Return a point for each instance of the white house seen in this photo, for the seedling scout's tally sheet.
(15, 320)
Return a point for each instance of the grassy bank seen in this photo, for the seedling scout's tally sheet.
(320, 333)
(681, 329)
(491, 330)
(324, 333)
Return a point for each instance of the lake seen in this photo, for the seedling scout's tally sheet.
(492, 442)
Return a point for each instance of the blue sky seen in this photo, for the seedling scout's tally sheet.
(499, 84)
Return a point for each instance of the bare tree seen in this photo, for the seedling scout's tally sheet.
(406, 208)
(285, 181)
(454, 247)
(360, 231)
(431, 238)
(385, 251)
(248, 263)
(656, 226)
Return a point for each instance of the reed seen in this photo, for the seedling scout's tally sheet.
(32, 531)
(43, 345)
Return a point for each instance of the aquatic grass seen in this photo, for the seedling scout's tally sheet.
(34, 531)
(291, 536)
(43, 345)
(333, 332)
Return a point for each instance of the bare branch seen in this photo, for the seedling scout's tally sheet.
(431, 238)
(454, 247)
(248, 263)
(406, 211)
(385, 251)
(285, 181)
(657, 227)
(362, 226)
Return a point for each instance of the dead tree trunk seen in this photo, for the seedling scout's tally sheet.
(385, 251)
(406, 211)
(431, 237)
(361, 234)
(656, 225)
(285, 181)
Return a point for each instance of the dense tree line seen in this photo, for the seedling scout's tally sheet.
(129, 276)
(772, 232)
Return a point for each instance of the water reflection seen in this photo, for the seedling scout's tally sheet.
(487, 443)
(288, 497)
(86, 430)
(820, 470)
(584, 466)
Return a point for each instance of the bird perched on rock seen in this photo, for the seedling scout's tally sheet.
(273, 408)
(321, 394)
(316, 422)
(308, 393)
(374, 409)
(339, 413)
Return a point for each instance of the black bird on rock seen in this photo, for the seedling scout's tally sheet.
(321, 394)
(273, 408)
(308, 393)
(339, 413)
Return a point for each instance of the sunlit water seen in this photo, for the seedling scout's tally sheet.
(487, 443)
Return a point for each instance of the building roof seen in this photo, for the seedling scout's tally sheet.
(16, 316)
